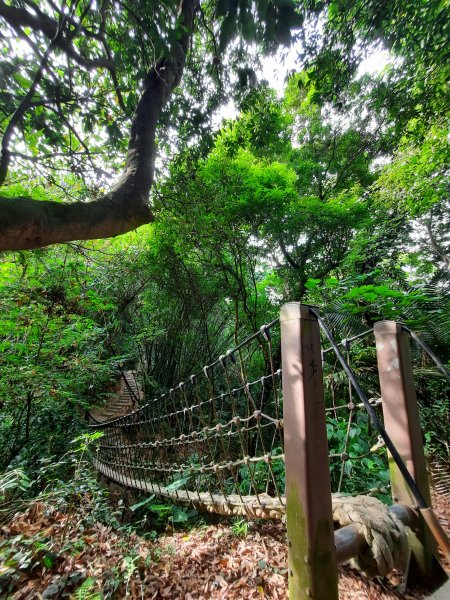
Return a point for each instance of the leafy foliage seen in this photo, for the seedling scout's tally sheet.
(334, 194)
(51, 367)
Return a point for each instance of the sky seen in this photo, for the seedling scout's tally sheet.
(274, 71)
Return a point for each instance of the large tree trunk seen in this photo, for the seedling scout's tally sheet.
(26, 223)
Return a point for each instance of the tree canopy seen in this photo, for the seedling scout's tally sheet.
(70, 69)
(333, 191)
(90, 90)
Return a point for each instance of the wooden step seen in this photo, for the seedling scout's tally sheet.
(127, 400)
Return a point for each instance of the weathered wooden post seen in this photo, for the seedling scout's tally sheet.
(311, 547)
(401, 420)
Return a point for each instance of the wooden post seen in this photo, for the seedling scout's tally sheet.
(401, 420)
(311, 547)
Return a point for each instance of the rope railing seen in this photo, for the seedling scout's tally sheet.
(346, 342)
(375, 419)
(219, 433)
(352, 460)
(179, 424)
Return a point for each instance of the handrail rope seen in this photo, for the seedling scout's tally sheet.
(264, 329)
(428, 350)
(203, 468)
(372, 414)
(188, 409)
(351, 406)
(196, 436)
(346, 341)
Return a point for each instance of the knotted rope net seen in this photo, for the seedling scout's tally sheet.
(358, 460)
(215, 442)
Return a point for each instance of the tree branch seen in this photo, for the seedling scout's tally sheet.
(436, 247)
(41, 22)
(23, 106)
(287, 256)
(26, 223)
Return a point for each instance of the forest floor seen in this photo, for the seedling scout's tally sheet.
(48, 554)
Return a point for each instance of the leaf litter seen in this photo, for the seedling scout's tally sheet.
(47, 554)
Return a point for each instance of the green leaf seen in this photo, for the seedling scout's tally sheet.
(23, 81)
(179, 515)
(142, 503)
(177, 485)
(161, 509)
(49, 560)
(312, 283)
(332, 281)
(182, 515)
(333, 10)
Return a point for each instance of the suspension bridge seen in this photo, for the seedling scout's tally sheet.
(247, 435)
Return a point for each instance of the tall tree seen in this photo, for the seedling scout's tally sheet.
(77, 31)
(67, 68)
